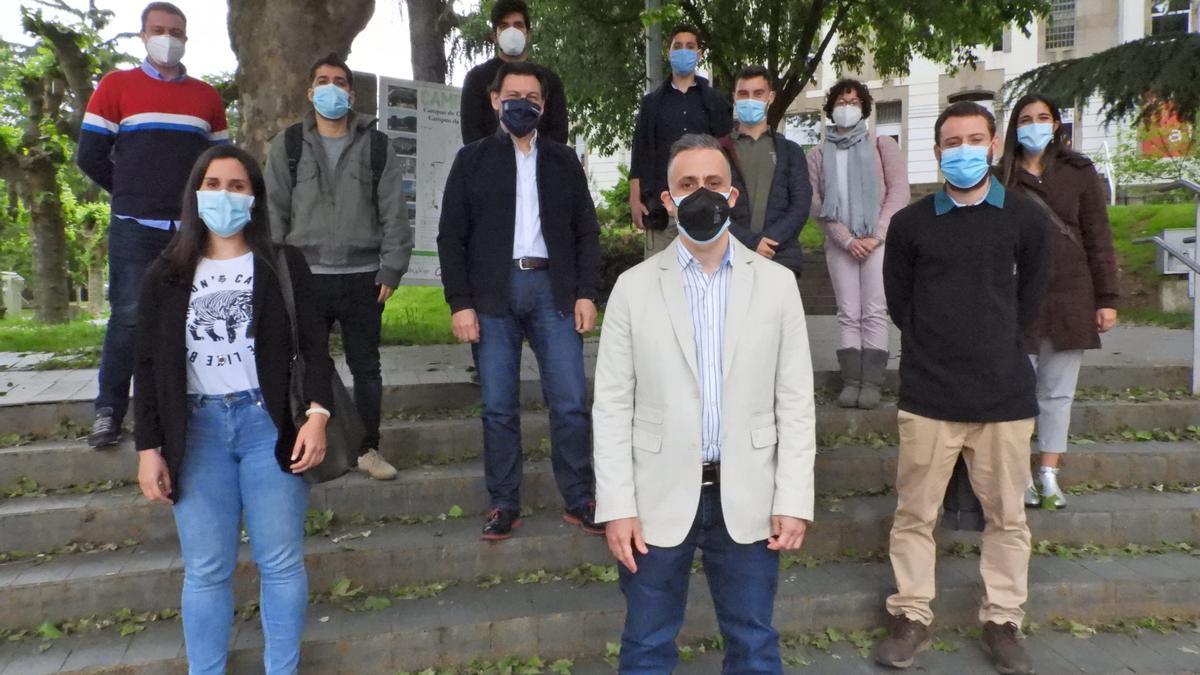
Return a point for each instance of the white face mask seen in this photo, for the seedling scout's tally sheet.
(512, 41)
(847, 116)
(165, 50)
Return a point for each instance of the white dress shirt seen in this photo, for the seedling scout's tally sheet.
(708, 296)
(527, 231)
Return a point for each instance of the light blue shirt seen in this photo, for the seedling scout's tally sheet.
(707, 298)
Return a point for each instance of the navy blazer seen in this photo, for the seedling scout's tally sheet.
(478, 221)
(787, 206)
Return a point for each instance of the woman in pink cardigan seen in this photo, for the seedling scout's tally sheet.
(859, 181)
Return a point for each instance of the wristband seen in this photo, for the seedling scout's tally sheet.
(317, 411)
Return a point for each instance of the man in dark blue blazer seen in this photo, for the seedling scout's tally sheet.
(769, 172)
(520, 255)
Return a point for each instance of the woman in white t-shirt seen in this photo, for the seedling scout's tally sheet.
(213, 427)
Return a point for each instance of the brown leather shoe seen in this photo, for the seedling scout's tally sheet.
(1002, 643)
(907, 639)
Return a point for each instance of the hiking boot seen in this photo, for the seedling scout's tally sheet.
(874, 368)
(583, 517)
(1033, 498)
(374, 465)
(500, 524)
(906, 639)
(106, 430)
(1052, 495)
(850, 362)
(1002, 643)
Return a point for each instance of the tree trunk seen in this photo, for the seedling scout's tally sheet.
(429, 24)
(275, 42)
(97, 255)
(48, 231)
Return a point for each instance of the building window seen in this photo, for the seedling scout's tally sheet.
(1060, 28)
(803, 128)
(1170, 16)
(889, 118)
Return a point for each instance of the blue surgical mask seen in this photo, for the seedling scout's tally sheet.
(224, 213)
(683, 61)
(1035, 137)
(750, 111)
(965, 165)
(331, 101)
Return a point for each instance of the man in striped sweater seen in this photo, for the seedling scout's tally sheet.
(143, 130)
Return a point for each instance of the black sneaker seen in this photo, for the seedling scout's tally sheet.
(105, 429)
(500, 524)
(584, 517)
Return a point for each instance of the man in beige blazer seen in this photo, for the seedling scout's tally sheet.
(704, 425)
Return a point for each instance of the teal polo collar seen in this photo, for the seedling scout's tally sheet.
(943, 204)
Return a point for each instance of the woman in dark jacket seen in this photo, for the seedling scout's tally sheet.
(1080, 300)
(214, 432)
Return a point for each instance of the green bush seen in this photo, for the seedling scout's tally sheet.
(620, 249)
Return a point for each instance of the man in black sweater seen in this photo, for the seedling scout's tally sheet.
(963, 272)
(511, 28)
(520, 254)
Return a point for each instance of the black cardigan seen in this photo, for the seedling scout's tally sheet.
(475, 234)
(478, 118)
(160, 368)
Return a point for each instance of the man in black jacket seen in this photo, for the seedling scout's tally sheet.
(520, 254)
(770, 174)
(684, 104)
(510, 31)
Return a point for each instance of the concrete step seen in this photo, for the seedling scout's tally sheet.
(564, 620)
(46, 418)
(45, 523)
(439, 440)
(149, 577)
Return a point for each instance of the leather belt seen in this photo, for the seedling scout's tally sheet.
(527, 264)
(710, 474)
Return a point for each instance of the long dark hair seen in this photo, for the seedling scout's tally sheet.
(190, 242)
(1013, 150)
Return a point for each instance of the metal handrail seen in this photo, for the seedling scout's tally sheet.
(1178, 254)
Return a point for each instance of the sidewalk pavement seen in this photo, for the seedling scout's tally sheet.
(449, 364)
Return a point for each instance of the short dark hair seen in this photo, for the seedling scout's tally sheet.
(162, 7)
(751, 72)
(685, 28)
(963, 109)
(505, 7)
(841, 87)
(517, 68)
(696, 142)
(331, 59)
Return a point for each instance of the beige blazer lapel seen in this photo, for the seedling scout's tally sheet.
(671, 282)
(740, 294)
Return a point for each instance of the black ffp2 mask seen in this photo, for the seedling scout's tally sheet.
(702, 215)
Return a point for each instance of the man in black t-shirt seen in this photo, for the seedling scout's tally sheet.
(963, 271)
(511, 29)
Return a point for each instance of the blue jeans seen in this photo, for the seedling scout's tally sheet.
(131, 249)
(559, 352)
(229, 471)
(741, 577)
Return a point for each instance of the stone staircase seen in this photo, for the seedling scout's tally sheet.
(401, 581)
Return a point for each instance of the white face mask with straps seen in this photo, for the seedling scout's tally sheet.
(847, 116)
(165, 50)
(512, 41)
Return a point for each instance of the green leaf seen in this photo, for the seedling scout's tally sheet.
(945, 646)
(455, 511)
(130, 628)
(48, 630)
(562, 666)
(376, 603)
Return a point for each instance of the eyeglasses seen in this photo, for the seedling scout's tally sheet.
(853, 101)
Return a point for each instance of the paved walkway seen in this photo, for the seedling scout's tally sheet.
(447, 364)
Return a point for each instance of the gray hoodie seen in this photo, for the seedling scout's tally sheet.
(331, 214)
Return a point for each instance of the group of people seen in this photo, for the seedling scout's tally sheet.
(700, 433)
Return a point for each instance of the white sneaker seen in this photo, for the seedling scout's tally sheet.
(1052, 495)
(1033, 498)
(374, 465)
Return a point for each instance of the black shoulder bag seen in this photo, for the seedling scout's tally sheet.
(344, 432)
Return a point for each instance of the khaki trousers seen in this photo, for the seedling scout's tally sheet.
(997, 457)
(657, 241)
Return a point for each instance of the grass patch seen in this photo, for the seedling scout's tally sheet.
(417, 315)
(1148, 316)
(23, 334)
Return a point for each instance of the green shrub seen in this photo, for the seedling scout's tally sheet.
(620, 249)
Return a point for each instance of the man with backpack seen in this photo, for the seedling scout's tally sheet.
(335, 192)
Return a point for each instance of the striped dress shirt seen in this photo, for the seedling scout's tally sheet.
(707, 297)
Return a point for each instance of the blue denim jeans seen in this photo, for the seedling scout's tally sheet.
(229, 471)
(131, 249)
(741, 577)
(559, 352)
